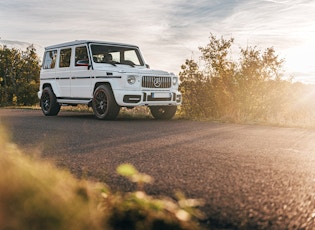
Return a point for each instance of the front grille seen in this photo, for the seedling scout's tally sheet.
(156, 82)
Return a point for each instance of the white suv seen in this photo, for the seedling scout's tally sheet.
(105, 76)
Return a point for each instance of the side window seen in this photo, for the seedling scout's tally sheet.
(50, 59)
(65, 57)
(116, 56)
(81, 56)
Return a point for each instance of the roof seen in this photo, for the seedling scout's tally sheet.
(79, 42)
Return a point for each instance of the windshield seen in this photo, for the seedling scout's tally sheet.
(116, 55)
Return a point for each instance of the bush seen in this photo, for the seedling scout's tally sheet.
(250, 89)
(36, 195)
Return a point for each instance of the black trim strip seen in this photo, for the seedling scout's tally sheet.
(62, 78)
(55, 78)
(81, 77)
(106, 77)
(51, 78)
(67, 78)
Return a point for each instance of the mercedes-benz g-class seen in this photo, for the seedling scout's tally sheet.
(105, 76)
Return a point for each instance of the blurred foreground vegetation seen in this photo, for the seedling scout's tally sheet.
(220, 85)
(36, 195)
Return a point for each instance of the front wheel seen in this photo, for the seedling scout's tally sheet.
(48, 102)
(104, 104)
(163, 112)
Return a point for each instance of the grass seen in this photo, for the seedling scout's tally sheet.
(296, 119)
(34, 194)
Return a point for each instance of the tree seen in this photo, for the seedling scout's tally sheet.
(221, 71)
(208, 93)
(19, 76)
(259, 81)
(231, 89)
(197, 98)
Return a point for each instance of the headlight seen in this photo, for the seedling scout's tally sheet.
(131, 79)
(175, 80)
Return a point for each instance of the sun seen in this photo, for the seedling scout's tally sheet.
(300, 58)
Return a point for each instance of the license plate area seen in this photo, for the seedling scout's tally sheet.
(157, 95)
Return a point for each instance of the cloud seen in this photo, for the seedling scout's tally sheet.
(167, 31)
(285, 20)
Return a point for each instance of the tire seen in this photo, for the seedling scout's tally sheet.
(104, 104)
(48, 102)
(163, 112)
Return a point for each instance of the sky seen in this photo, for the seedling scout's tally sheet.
(170, 31)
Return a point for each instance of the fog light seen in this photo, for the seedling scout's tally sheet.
(179, 98)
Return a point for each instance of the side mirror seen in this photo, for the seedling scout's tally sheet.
(146, 65)
(82, 63)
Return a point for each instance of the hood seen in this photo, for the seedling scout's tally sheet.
(130, 70)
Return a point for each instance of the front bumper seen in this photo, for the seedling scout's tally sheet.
(148, 98)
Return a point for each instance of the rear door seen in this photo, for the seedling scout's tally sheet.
(63, 72)
(48, 71)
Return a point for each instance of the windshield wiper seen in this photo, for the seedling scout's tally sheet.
(130, 63)
(112, 63)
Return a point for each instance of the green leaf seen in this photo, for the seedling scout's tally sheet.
(127, 170)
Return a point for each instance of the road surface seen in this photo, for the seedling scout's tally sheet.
(250, 176)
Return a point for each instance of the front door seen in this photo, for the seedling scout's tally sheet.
(81, 75)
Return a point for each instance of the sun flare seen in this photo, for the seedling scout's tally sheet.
(299, 59)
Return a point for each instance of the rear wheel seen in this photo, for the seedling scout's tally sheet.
(48, 102)
(104, 104)
(163, 112)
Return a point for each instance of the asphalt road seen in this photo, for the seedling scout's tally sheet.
(251, 177)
